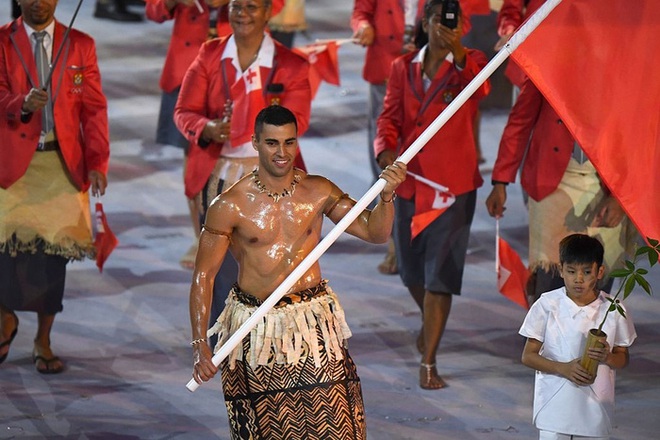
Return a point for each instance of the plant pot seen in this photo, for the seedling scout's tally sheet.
(593, 341)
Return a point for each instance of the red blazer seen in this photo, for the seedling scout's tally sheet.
(450, 157)
(204, 93)
(547, 153)
(189, 32)
(387, 19)
(512, 14)
(79, 106)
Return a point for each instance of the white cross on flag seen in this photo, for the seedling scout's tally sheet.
(252, 79)
(248, 99)
(431, 200)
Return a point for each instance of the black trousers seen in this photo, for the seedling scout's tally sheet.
(32, 282)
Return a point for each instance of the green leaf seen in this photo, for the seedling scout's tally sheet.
(653, 257)
(620, 273)
(642, 250)
(653, 242)
(630, 265)
(620, 310)
(612, 307)
(642, 271)
(642, 282)
(630, 285)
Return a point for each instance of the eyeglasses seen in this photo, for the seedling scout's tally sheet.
(250, 8)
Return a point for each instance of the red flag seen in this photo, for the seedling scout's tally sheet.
(512, 274)
(323, 61)
(596, 64)
(248, 102)
(104, 241)
(430, 202)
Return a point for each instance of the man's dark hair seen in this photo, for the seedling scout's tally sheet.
(580, 249)
(274, 115)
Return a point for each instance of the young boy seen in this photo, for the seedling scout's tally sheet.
(569, 403)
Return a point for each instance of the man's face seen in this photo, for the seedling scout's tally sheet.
(37, 13)
(581, 279)
(248, 17)
(277, 147)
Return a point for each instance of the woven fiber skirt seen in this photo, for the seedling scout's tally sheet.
(43, 210)
(292, 377)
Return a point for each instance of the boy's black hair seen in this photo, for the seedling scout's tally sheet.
(274, 115)
(581, 249)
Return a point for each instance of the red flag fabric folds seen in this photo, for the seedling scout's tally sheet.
(248, 101)
(104, 241)
(596, 63)
(324, 63)
(430, 203)
(512, 275)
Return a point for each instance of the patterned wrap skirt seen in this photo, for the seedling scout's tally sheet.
(292, 377)
(570, 209)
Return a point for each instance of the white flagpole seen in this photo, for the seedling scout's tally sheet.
(377, 187)
(497, 245)
(429, 182)
(338, 41)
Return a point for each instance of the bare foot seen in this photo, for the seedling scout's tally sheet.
(8, 330)
(45, 361)
(429, 379)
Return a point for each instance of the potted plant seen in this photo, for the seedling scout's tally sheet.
(632, 276)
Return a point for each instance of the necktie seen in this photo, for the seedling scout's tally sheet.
(41, 58)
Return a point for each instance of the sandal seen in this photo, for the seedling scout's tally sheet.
(429, 379)
(48, 368)
(8, 342)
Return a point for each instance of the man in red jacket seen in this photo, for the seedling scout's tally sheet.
(55, 146)
(386, 28)
(566, 194)
(230, 81)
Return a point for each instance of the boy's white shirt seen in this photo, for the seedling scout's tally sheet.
(562, 327)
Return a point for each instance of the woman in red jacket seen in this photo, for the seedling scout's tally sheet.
(420, 87)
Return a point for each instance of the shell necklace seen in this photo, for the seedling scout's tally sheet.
(276, 196)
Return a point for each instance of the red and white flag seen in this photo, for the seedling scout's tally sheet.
(512, 275)
(323, 62)
(596, 63)
(248, 100)
(431, 200)
(104, 241)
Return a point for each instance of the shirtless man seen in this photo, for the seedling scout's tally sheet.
(270, 221)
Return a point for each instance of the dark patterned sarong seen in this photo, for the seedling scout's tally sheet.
(315, 396)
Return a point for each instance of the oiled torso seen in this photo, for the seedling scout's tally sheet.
(270, 239)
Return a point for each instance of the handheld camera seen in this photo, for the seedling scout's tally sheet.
(450, 11)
